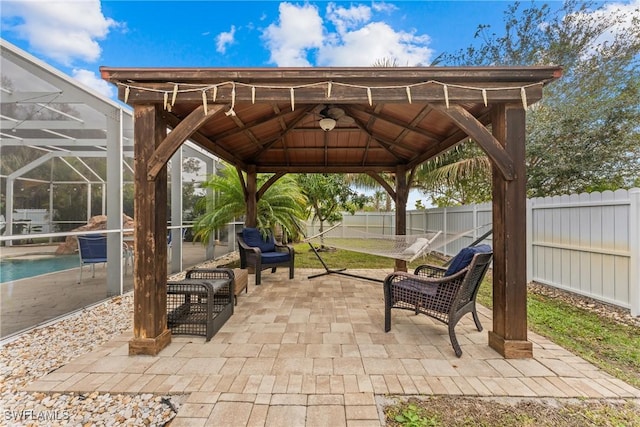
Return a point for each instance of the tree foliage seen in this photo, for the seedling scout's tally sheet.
(380, 200)
(584, 134)
(458, 177)
(329, 195)
(282, 205)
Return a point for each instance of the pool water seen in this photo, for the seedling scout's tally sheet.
(15, 269)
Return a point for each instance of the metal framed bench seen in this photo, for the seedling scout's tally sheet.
(197, 306)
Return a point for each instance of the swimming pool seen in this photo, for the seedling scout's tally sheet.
(17, 268)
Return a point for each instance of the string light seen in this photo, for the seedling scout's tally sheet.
(446, 95)
(231, 111)
(165, 99)
(186, 88)
(204, 101)
(175, 93)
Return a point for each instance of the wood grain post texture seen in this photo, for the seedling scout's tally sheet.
(509, 335)
(252, 201)
(150, 333)
(402, 194)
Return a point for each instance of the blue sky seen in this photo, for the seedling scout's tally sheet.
(79, 36)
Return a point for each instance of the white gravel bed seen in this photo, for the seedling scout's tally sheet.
(37, 352)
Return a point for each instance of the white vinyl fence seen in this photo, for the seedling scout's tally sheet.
(584, 243)
(588, 244)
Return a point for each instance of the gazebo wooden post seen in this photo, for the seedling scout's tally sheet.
(402, 194)
(509, 335)
(251, 197)
(150, 333)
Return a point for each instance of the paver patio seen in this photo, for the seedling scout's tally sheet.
(314, 352)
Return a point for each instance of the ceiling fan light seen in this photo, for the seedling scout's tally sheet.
(327, 124)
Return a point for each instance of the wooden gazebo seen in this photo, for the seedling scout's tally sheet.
(267, 120)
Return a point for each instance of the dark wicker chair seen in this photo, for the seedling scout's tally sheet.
(433, 292)
(262, 254)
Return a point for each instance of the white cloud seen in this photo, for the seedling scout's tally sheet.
(63, 31)
(299, 29)
(374, 42)
(624, 16)
(627, 13)
(90, 79)
(348, 18)
(383, 7)
(224, 39)
(357, 40)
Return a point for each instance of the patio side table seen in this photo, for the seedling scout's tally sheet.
(239, 276)
(199, 306)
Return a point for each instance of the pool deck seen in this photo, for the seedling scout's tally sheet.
(27, 252)
(314, 352)
(27, 302)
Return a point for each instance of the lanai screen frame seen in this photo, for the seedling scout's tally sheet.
(106, 127)
(207, 102)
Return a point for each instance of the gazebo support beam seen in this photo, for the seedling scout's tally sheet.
(251, 200)
(150, 333)
(402, 194)
(509, 335)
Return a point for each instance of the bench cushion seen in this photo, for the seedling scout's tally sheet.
(274, 257)
(410, 286)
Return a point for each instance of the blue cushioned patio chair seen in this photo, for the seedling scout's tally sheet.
(263, 253)
(93, 250)
(445, 294)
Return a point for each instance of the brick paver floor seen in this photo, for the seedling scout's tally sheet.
(314, 352)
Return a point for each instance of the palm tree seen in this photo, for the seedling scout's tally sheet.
(457, 177)
(282, 205)
(366, 182)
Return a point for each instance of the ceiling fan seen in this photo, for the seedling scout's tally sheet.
(330, 115)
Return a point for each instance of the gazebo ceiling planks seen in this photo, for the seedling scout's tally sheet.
(394, 116)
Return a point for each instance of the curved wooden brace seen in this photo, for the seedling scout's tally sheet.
(472, 127)
(269, 183)
(206, 143)
(383, 183)
(242, 182)
(407, 187)
(178, 135)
